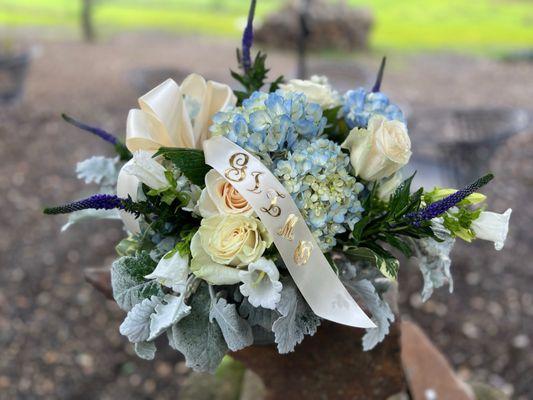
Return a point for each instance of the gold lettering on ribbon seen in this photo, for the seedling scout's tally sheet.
(273, 209)
(273, 194)
(238, 163)
(302, 252)
(287, 230)
(256, 176)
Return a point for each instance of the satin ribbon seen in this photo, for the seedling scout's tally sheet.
(318, 283)
(171, 115)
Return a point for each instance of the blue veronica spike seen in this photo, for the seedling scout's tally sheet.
(96, 202)
(95, 131)
(440, 207)
(248, 38)
(379, 78)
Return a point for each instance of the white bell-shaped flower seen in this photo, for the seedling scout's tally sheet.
(172, 271)
(492, 226)
(261, 284)
(147, 170)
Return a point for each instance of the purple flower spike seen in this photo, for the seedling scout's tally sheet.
(440, 207)
(96, 131)
(377, 86)
(248, 38)
(96, 202)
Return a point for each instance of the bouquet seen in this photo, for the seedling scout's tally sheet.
(251, 215)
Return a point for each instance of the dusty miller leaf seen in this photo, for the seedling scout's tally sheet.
(258, 316)
(296, 319)
(236, 331)
(136, 325)
(200, 341)
(365, 292)
(167, 314)
(145, 350)
(128, 283)
(98, 169)
(434, 261)
(84, 215)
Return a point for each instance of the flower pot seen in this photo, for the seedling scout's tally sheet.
(329, 365)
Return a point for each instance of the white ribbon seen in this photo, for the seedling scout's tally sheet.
(318, 283)
(174, 116)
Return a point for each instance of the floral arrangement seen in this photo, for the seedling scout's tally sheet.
(216, 269)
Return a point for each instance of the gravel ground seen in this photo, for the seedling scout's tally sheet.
(59, 337)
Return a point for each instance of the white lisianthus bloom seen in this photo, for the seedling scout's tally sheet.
(317, 90)
(388, 186)
(147, 170)
(380, 150)
(261, 284)
(220, 197)
(172, 271)
(225, 243)
(492, 226)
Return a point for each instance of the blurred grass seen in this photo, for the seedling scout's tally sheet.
(463, 25)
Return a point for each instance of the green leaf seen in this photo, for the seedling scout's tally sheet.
(358, 228)
(385, 262)
(398, 244)
(399, 201)
(191, 162)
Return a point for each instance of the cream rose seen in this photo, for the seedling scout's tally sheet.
(317, 90)
(224, 243)
(380, 150)
(220, 197)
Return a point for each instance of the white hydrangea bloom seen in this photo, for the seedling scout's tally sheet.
(261, 284)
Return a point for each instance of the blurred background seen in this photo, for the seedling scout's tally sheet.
(461, 70)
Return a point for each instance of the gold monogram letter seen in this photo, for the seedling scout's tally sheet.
(237, 171)
(287, 230)
(302, 252)
(256, 189)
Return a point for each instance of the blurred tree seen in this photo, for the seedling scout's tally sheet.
(87, 20)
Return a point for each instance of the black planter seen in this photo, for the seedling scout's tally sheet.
(13, 70)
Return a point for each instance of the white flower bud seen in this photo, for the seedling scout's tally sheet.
(492, 226)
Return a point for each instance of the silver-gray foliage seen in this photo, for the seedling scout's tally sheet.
(98, 169)
(128, 290)
(145, 350)
(296, 320)
(434, 261)
(363, 290)
(84, 215)
(366, 286)
(136, 325)
(236, 331)
(258, 316)
(167, 313)
(198, 339)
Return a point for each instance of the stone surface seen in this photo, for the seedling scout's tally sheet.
(329, 365)
(331, 26)
(429, 374)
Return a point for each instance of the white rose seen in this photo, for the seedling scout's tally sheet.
(261, 284)
(220, 197)
(147, 170)
(380, 150)
(389, 186)
(317, 90)
(492, 226)
(224, 243)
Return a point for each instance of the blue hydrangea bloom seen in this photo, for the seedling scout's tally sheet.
(270, 122)
(359, 105)
(316, 175)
